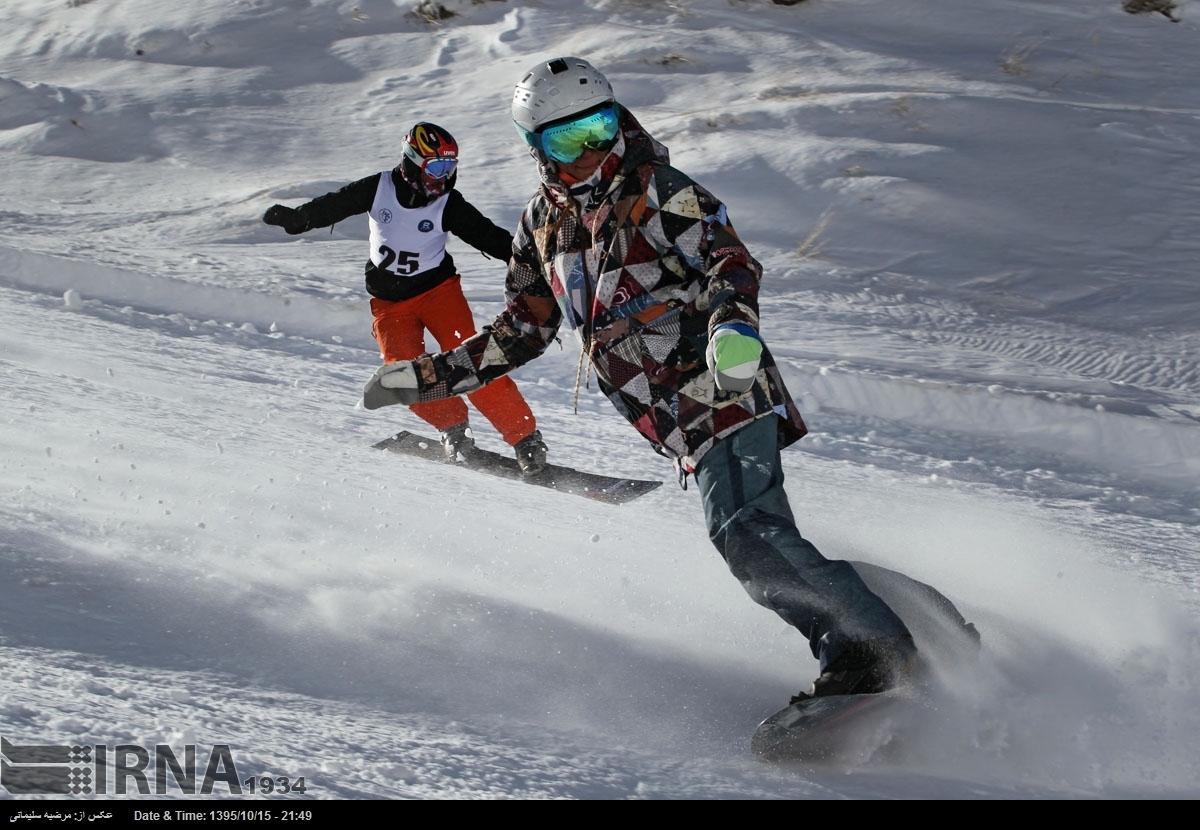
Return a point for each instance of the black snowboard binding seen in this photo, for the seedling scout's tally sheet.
(531, 453)
(458, 443)
(866, 668)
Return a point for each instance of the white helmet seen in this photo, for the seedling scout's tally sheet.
(557, 88)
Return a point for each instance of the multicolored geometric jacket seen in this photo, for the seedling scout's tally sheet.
(642, 263)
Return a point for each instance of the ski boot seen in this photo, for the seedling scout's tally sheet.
(531, 453)
(866, 668)
(458, 443)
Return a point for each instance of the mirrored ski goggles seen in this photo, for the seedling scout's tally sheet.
(566, 141)
(436, 168)
(439, 168)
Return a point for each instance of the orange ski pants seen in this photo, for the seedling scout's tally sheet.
(399, 329)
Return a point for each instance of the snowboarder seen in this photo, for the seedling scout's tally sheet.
(413, 282)
(645, 265)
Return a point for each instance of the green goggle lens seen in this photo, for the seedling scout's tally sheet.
(567, 141)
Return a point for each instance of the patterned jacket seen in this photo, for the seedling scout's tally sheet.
(642, 267)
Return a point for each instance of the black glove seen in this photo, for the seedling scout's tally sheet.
(290, 219)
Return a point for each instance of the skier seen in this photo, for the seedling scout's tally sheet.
(644, 264)
(413, 283)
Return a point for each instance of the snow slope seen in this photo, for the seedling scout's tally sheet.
(979, 224)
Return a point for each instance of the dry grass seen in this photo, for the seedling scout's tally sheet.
(1164, 7)
(813, 244)
(432, 11)
(672, 59)
(1015, 61)
(905, 109)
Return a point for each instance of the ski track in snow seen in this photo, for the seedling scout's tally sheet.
(994, 342)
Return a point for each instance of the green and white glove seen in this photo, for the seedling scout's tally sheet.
(734, 353)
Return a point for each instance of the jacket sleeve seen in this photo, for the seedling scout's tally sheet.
(706, 241)
(355, 198)
(520, 333)
(462, 219)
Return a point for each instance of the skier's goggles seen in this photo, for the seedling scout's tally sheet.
(566, 141)
(439, 168)
(435, 168)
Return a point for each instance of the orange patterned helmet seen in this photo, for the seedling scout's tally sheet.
(430, 159)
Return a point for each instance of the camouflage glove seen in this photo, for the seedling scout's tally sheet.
(393, 383)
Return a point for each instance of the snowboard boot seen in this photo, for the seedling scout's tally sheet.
(531, 453)
(458, 443)
(867, 668)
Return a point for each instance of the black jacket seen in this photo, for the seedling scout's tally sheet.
(460, 218)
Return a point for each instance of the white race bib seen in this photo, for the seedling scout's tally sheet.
(406, 241)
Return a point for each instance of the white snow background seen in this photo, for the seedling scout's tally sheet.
(980, 226)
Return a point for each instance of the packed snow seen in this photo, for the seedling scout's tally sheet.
(980, 225)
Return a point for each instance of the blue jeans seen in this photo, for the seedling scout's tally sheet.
(751, 524)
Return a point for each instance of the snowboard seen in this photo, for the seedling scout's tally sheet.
(843, 728)
(860, 728)
(607, 489)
